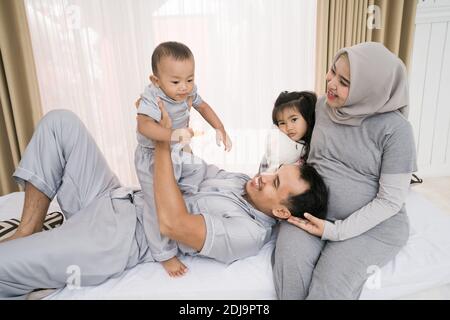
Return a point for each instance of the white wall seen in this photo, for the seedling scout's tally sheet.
(430, 87)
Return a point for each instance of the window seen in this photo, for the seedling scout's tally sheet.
(93, 57)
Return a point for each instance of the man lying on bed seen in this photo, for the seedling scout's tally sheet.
(221, 215)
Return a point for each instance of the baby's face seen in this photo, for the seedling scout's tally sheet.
(175, 77)
(291, 122)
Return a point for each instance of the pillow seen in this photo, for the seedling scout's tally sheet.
(8, 227)
(279, 150)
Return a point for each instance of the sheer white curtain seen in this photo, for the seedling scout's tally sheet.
(93, 57)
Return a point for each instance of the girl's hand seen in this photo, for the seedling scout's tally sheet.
(311, 224)
(222, 136)
(165, 121)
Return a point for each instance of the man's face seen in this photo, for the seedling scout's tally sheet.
(268, 192)
(175, 77)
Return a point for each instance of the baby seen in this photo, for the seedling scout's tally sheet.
(172, 82)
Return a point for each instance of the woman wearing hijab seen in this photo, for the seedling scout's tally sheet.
(363, 146)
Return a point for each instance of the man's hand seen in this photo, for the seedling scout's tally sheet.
(182, 135)
(137, 103)
(222, 137)
(311, 224)
(165, 121)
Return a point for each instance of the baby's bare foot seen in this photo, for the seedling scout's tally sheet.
(174, 267)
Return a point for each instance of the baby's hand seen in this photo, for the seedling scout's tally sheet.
(174, 267)
(183, 135)
(222, 136)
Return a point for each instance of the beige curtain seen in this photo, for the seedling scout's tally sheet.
(343, 23)
(19, 92)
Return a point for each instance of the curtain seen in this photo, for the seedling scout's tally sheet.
(93, 57)
(19, 93)
(343, 23)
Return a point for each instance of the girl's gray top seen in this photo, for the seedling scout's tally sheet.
(178, 111)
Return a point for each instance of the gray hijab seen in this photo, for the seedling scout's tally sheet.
(379, 84)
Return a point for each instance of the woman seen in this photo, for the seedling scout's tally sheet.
(363, 146)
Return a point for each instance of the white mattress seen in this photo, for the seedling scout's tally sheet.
(423, 264)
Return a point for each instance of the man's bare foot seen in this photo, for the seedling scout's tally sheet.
(16, 235)
(174, 267)
(39, 294)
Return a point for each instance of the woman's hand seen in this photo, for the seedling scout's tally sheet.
(311, 224)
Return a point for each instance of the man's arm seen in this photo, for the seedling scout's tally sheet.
(175, 221)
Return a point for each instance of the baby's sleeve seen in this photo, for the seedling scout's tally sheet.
(148, 105)
(196, 99)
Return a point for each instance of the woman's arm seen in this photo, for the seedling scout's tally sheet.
(398, 162)
(390, 199)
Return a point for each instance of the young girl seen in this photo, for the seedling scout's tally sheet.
(293, 117)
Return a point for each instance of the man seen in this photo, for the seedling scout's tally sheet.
(225, 216)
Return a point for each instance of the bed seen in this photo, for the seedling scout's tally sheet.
(423, 264)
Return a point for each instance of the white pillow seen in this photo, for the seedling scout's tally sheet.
(280, 149)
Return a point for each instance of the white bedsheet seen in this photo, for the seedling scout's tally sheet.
(423, 264)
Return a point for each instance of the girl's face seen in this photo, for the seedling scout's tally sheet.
(291, 122)
(338, 82)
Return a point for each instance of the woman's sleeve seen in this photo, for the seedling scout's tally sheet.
(398, 163)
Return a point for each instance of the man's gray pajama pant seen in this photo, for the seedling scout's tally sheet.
(305, 267)
(98, 239)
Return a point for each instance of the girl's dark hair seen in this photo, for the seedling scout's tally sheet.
(305, 103)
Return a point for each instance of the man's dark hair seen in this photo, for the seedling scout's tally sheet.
(173, 49)
(313, 201)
